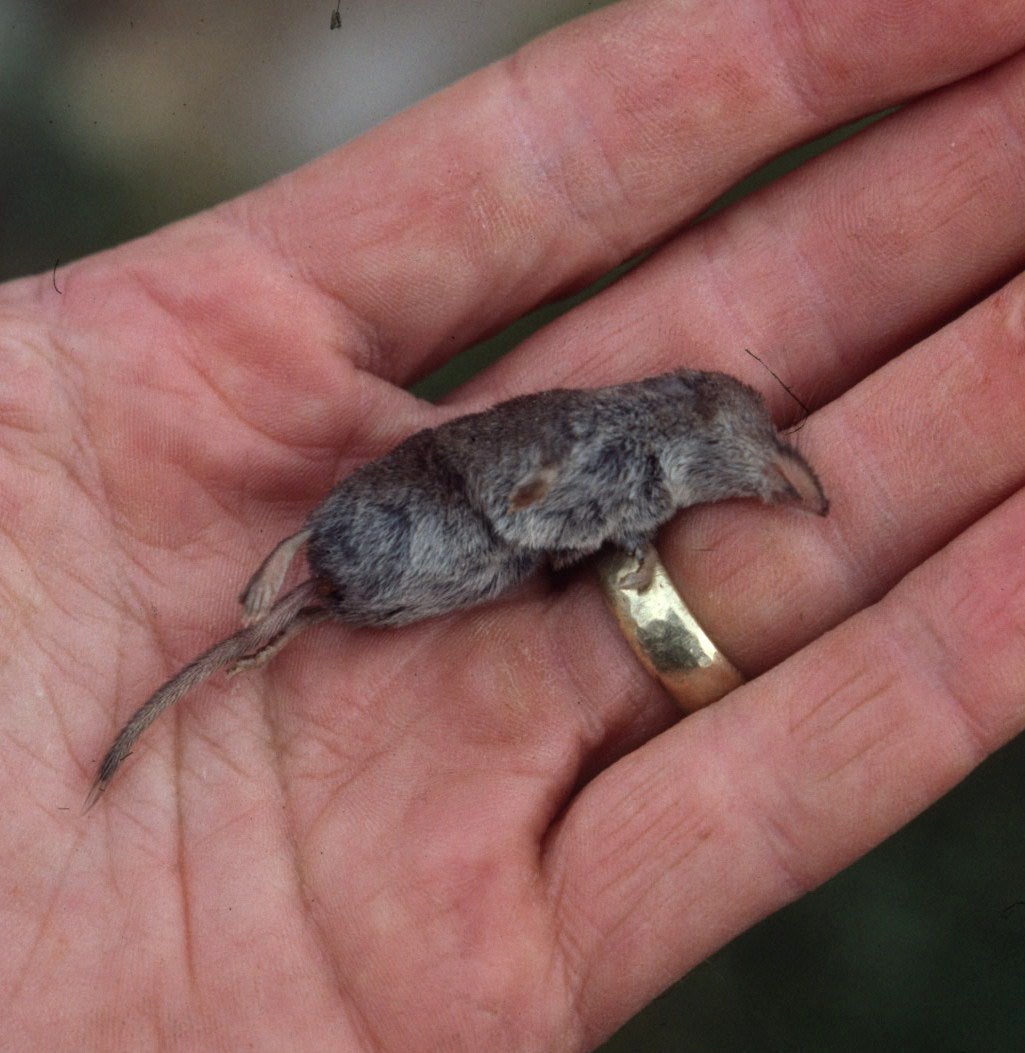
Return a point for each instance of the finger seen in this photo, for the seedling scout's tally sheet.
(542, 171)
(827, 272)
(749, 804)
(910, 457)
(913, 455)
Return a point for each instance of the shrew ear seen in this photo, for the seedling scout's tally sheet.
(533, 487)
(792, 481)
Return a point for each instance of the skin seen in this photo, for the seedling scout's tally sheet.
(488, 831)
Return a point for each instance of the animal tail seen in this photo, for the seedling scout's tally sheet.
(293, 612)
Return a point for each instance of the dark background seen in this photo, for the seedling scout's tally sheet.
(117, 117)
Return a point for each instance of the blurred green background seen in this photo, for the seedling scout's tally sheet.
(117, 117)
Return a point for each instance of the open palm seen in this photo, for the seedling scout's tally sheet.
(485, 831)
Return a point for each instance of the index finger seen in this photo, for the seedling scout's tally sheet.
(542, 171)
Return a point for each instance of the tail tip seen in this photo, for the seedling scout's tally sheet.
(111, 762)
(95, 792)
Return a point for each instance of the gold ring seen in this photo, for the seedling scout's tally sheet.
(662, 632)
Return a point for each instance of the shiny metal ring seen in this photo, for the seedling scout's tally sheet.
(663, 633)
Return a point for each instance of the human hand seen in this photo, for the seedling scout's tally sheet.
(468, 833)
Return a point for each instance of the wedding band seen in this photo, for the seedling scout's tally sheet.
(663, 633)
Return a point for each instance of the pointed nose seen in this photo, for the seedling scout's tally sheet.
(800, 484)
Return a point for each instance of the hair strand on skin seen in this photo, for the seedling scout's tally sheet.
(786, 387)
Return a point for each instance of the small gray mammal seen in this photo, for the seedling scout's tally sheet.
(455, 515)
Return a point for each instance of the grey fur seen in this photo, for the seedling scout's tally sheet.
(458, 514)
